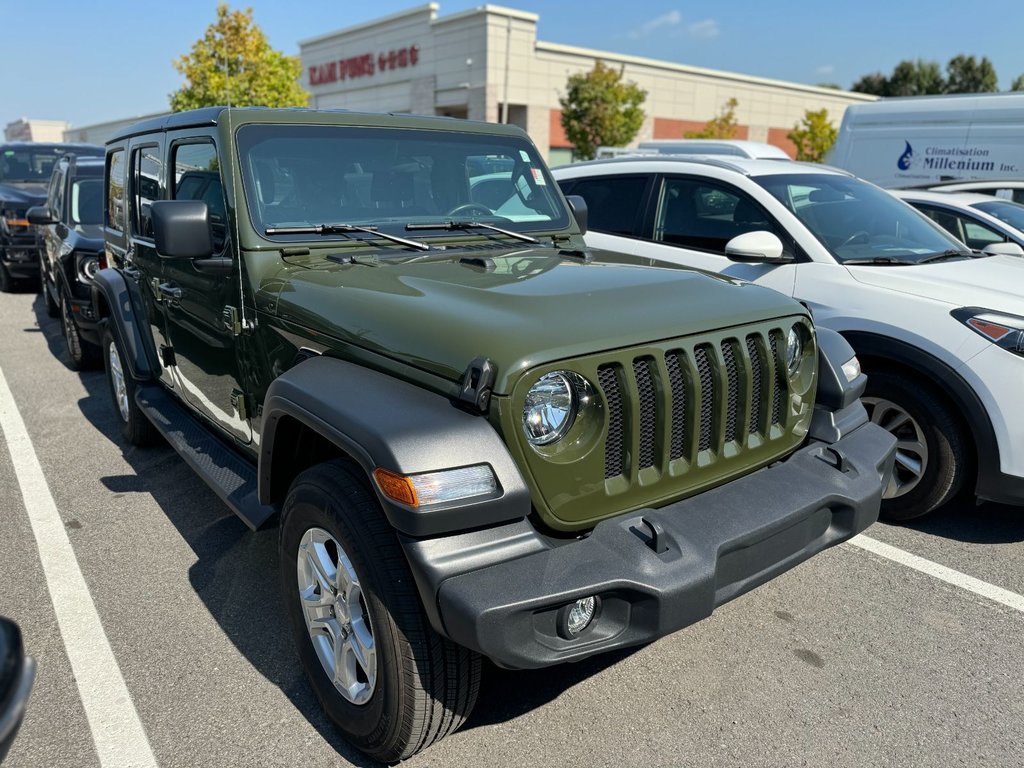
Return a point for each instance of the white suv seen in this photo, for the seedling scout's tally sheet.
(938, 328)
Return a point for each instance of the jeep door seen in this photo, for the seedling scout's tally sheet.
(134, 250)
(200, 296)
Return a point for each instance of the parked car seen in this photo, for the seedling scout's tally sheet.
(938, 329)
(729, 147)
(71, 222)
(17, 674)
(25, 169)
(982, 222)
(1005, 189)
(469, 455)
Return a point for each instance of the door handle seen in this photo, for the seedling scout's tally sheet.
(170, 290)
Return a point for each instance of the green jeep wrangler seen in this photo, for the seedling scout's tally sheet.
(478, 437)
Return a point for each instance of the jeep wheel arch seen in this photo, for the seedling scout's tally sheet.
(112, 301)
(379, 421)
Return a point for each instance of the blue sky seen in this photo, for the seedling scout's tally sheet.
(86, 62)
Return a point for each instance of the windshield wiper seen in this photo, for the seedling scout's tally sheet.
(334, 229)
(886, 261)
(950, 253)
(454, 225)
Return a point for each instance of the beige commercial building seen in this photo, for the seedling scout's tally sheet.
(35, 130)
(487, 64)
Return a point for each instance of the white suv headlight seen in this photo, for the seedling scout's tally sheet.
(1003, 330)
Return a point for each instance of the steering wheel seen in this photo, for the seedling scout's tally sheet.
(470, 208)
(859, 234)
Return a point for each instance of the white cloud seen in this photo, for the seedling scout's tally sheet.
(704, 30)
(670, 19)
(825, 69)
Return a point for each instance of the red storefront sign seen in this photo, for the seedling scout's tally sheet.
(363, 65)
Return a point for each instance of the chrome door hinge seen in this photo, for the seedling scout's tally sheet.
(240, 403)
(233, 322)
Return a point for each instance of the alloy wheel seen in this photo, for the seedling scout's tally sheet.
(118, 383)
(911, 446)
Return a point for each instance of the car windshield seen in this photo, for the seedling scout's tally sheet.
(87, 201)
(1010, 213)
(26, 165)
(304, 176)
(857, 221)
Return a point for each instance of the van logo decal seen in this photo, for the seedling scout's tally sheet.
(907, 158)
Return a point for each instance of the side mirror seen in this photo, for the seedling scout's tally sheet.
(992, 249)
(181, 229)
(578, 206)
(757, 247)
(40, 214)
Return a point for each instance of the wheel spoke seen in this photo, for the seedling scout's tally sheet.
(909, 463)
(363, 647)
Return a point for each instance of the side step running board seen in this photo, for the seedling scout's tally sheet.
(229, 475)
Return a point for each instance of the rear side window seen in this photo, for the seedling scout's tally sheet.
(614, 203)
(197, 177)
(145, 189)
(706, 216)
(115, 191)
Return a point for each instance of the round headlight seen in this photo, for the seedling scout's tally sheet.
(550, 408)
(794, 350)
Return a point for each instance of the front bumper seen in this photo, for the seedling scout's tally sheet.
(21, 258)
(717, 545)
(86, 320)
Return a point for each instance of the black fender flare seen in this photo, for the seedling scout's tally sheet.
(944, 378)
(112, 300)
(381, 421)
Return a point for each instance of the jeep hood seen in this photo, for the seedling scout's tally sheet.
(993, 282)
(521, 308)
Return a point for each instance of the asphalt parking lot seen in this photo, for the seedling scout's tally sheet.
(852, 659)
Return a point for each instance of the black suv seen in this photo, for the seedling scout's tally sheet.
(71, 252)
(25, 168)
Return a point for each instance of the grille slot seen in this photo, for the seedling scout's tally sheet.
(608, 379)
(732, 373)
(707, 396)
(648, 410)
(780, 377)
(674, 364)
(755, 384)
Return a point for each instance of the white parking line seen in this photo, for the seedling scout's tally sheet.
(116, 729)
(941, 572)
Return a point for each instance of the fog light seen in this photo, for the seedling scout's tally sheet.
(577, 616)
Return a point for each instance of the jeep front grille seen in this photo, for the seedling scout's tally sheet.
(708, 382)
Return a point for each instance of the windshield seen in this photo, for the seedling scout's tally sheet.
(300, 176)
(858, 221)
(87, 201)
(1010, 213)
(27, 165)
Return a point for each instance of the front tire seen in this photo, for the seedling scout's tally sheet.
(135, 427)
(83, 354)
(390, 683)
(6, 281)
(932, 460)
(52, 309)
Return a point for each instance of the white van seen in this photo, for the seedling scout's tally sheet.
(923, 140)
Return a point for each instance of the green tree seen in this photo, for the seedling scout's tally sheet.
(233, 63)
(813, 136)
(721, 126)
(916, 78)
(968, 75)
(876, 83)
(1018, 84)
(599, 109)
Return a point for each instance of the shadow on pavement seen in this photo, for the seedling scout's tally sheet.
(974, 523)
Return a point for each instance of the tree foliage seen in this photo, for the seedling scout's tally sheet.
(964, 74)
(813, 136)
(721, 126)
(1018, 84)
(968, 75)
(599, 109)
(233, 63)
